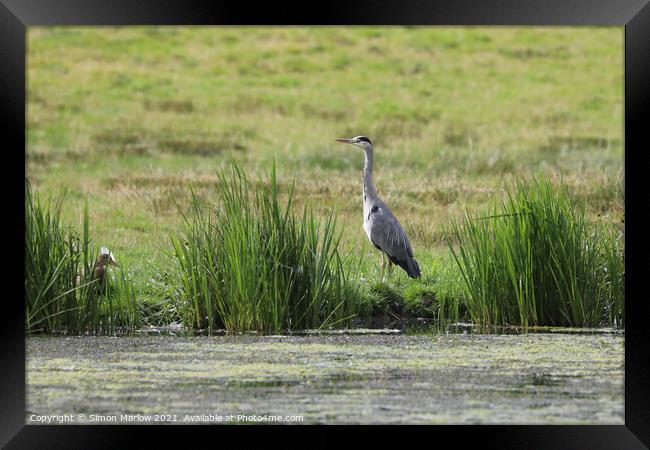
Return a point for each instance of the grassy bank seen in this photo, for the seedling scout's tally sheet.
(246, 261)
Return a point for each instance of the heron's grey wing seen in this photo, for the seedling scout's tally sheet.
(387, 233)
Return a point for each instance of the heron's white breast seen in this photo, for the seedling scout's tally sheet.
(366, 224)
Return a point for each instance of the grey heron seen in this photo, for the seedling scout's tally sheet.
(380, 224)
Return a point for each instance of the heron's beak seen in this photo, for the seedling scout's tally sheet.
(112, 262)
(345, 140)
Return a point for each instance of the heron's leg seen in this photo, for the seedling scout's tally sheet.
(390, 268)
(383, 265)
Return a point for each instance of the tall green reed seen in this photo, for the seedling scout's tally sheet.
(51, 267)
(536, 260)
(60, 293)
(248, 262)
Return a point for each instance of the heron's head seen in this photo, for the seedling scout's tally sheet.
(106, 258)
(363, 142)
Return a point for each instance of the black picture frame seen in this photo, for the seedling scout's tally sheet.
(634, 15)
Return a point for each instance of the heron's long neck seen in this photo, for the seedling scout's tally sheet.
(368, 186)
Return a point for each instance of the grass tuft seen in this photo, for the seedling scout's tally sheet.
(248, 263)
(58, 297)
(537, 260)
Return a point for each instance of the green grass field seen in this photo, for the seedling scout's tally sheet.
(131, 118)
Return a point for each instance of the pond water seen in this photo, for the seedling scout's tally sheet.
(391, 377)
